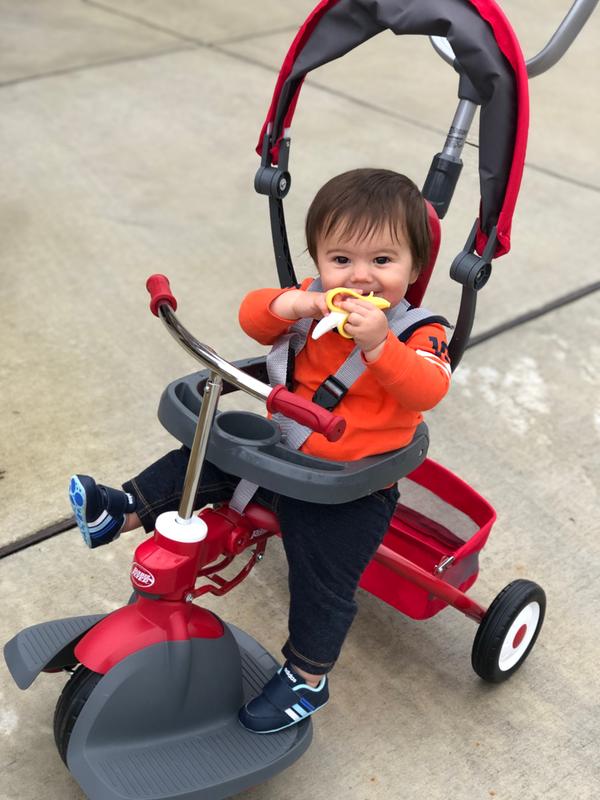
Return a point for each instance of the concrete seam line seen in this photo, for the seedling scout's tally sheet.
(535, 313)
(38, 536)
(95, 65)
(247, 37)
(141, 21)
(179, 35)
(550, 172)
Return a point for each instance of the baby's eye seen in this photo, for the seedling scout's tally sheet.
(341, 259)
(382, 260)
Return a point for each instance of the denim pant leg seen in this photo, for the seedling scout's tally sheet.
(159, 487)
(328, 547)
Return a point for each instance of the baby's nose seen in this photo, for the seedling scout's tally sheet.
(361, 272)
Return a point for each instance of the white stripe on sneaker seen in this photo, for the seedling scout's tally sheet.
(97, 523)
(292, 714)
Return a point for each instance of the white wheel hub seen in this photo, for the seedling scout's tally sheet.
(519, 636)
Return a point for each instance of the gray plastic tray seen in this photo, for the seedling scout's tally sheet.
(247, 445)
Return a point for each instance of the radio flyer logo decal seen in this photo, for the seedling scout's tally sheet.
(141, 576)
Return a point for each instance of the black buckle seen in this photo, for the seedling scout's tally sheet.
(329, 393)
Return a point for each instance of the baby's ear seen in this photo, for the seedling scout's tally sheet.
(414, 274)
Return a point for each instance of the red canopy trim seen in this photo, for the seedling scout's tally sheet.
(511, 50)
(415, 292)
(299, 41)
(509, 46)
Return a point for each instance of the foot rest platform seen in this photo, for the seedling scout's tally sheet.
(46, 646)
(163, 724)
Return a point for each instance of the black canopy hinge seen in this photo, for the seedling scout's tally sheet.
(468, 268)
(274, 181)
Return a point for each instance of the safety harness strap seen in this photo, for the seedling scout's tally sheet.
(403, 317)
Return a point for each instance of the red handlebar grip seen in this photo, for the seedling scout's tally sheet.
(160, 292)
(306, 413)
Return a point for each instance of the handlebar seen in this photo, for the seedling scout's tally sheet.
(163, 304)
(159, 289)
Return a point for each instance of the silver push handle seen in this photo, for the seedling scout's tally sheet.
(563, 38)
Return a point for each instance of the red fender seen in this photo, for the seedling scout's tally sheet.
(140, 625)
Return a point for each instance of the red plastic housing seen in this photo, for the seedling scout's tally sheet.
(142, 624)
(168, 570)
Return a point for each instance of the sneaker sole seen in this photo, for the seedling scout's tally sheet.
(78, 499)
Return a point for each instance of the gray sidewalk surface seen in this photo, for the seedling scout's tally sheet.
(127, 148)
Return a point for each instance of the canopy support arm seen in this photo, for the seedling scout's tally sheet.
(275, 182)
(446, 166)
(473, 272)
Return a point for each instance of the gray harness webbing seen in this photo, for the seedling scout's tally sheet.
(400, 318)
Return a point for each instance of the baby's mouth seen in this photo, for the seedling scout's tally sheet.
(371, 290)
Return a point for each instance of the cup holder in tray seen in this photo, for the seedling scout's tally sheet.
(249, 445)
(246, 429)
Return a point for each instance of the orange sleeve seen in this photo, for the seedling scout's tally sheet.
(257, 319)
(416, 374)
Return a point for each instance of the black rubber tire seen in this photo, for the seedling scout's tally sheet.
(70, 705)
(494, 627)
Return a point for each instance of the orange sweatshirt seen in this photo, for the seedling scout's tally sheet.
(383, 407)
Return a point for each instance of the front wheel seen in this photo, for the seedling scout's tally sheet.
(70, 705)
(508, 631)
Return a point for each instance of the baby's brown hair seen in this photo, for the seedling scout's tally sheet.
(364, 201)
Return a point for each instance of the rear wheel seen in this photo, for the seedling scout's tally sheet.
(508, 631)
(70, 705)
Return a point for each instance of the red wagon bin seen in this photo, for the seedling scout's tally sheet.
(429, 559)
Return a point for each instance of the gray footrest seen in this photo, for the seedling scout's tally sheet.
(210, 766)
(198, 759)
(34, 649)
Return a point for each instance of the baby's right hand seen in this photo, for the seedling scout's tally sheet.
(311, 304)
(297, 304)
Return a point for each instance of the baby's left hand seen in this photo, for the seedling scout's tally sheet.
(366, 323)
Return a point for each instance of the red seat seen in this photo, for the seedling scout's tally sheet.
(415, 292)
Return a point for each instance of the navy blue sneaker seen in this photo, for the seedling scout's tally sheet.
(285, 700)
(99, 510)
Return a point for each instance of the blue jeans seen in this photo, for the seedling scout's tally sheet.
(328, 548)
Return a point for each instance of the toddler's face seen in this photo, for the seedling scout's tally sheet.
(381, 264)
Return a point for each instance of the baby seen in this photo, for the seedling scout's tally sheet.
(366, 230)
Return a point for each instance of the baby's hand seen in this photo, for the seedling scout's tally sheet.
(312, 304)
(299, 305)
(366, 323)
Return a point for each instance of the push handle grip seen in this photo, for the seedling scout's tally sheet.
(160, 292)
(306, 413)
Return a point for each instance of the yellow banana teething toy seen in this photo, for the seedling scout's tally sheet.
(338, 317)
